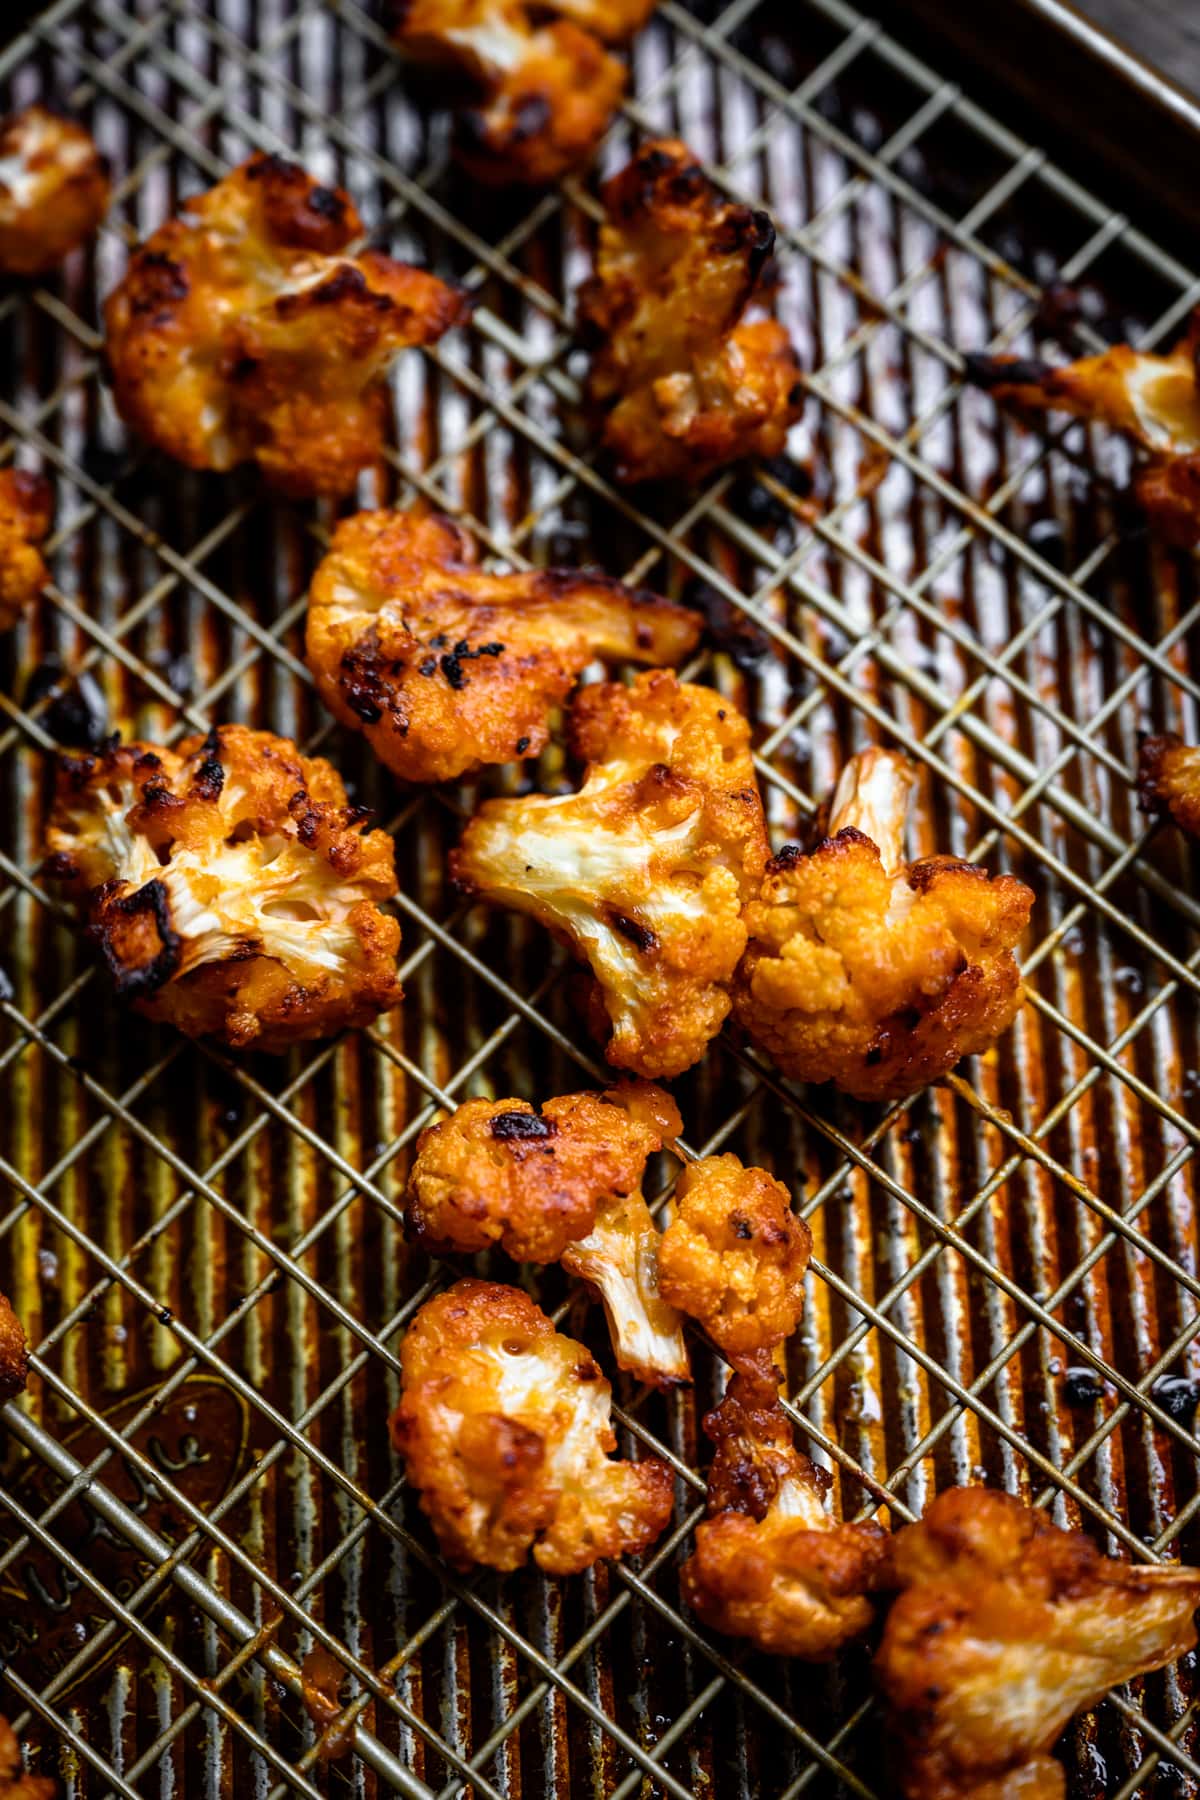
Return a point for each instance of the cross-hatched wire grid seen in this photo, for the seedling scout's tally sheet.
(208, 1255)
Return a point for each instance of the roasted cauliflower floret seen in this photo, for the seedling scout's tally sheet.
(53, 190)
(504, 1429)
(645, 871)
(869, 972)
(15, 1784)
(563, 1183)
(770, 1564)
(1005, 1627)
(1151, 399)
(735, 1255)
(444, 667)
(242, 333)
(14, 1352)
(26, 508)
(230, 887)
(547, 87)
(684, 386)
(1169, 780)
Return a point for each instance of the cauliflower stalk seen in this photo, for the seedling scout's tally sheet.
(684, 385)
(242, 332)
(547, 86)
(645, 871)
(869, 972)
(230, 887)
(54, 190)
(734, 1256)
(505, 1431)
(445, 667)
(769, 1563)
(26, 507)
(562, 1184)
(1004, 1627)
(1153, 400)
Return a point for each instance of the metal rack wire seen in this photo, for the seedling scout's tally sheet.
(208, 1256)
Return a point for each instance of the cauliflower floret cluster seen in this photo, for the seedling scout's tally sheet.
(1004, 1628)
(504, 1428)
(241, 332)
(1153, 400)
(735, 1255)
(871, 973)
(563, 1183)
(53, 190)
(232, 890)
(684, 385)
(1169, 780)
(15, 1784)
(769, 1563)
(26, 508)
(14, 1351)
(547, 85)
(645, 871)
(446, 668)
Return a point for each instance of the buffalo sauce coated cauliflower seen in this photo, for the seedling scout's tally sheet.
(242, 333)
(869, 972)
(53, 190)
(444, 667)
(547, 85)
(26, 505)
(504, 1429)
(645, 871)
(560, 1184)
(770, 1564)
(1005, 1627)
(735, 1255)
(1153, 400)
(14, 1351)
(231, 889)
(684, 386)
(1169, 780)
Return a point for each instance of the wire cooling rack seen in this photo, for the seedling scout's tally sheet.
(198, 1489)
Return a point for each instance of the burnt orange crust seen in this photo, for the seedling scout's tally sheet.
(1169, 780)
(14, 1352)
(242, 332)
(682, 384)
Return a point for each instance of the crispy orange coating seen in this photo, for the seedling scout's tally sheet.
(504, 1428)
(1169, 780)
(241, 332)
(645, 871)
(15, 1784)
(14, 1352)
(1004, 1628)
(26, 508)
(53, 190)
(735, 1255)
(684, 385)
(770, 1564)
(563, 1183)
(446, 668)
(871, 973)
(230, 887)
(1153, 400)
(547, 87)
